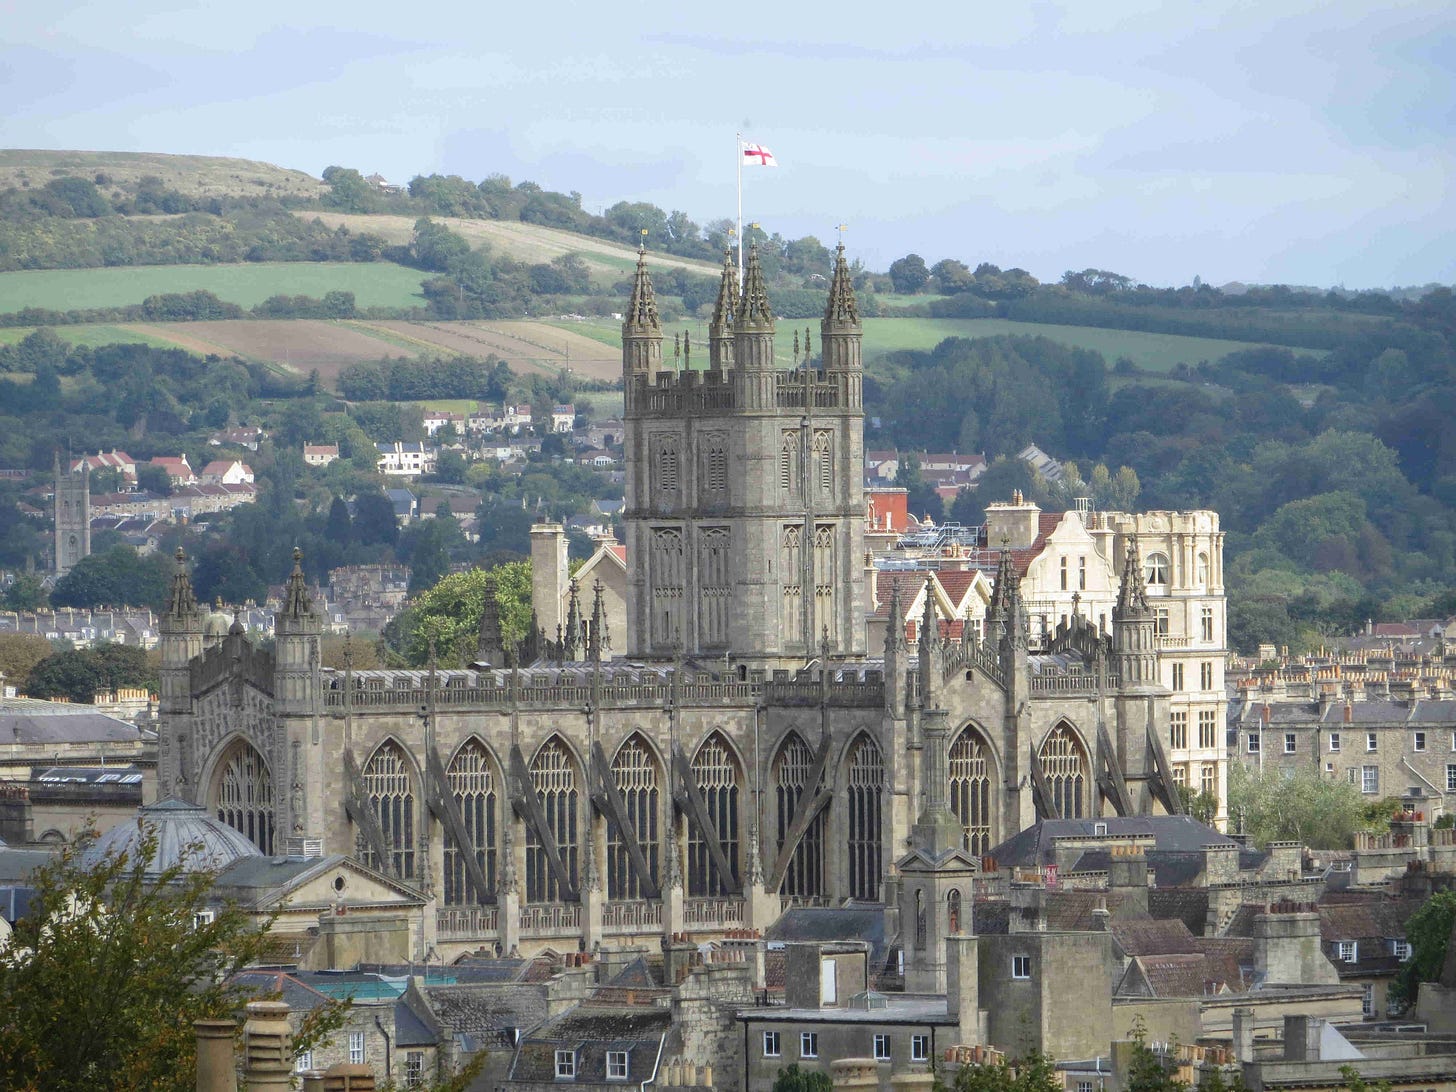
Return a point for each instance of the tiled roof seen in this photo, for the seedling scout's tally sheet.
(590, 1031)
(1150, 937)
(1073, 911)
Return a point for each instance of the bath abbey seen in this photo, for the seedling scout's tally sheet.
(745, 745)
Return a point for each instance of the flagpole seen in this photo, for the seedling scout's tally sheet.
(739, 150)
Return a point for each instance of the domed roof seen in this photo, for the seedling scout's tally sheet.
(217, 623)
(186, 835)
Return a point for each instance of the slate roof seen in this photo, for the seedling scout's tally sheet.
(1073, 910)
(487, 1013)
(409, 1029)
(821, 925)
(43, 722)
(1034, 847)
(17, 864)
(1185, 975)
(635, 975)
(591, 1030)
(300, 996)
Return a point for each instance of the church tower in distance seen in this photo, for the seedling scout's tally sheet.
(72, 516)
(745, 502)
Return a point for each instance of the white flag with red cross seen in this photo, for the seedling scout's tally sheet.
(756, 155)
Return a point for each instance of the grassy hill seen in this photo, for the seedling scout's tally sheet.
(374, 284)
(193, 175)
(534, 243)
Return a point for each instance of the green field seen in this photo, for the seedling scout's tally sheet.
(87, 336)
(374, 284)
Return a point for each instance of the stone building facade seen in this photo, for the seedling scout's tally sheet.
(72, 514)
(704, 782)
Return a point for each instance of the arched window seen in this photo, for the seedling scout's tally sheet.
(823, 581)
(1202, 570)
(824, 462)
(716, 774)
(804, 876)
(1155, 570)
(866, 786)
(789, 464)
(472, 782)
(635, 773)
(1065, 765)
(793, 575)
(553, 776)
(970, 790)
(953, 911)
(919, 920)
(391, 796)
(244, 795)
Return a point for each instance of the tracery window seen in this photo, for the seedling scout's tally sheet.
(716, 774)
(245, 795)
(970, 790)
(714, 586)
(1065, 765)
(804, 876)
(554, 777)
(793, 575)
(390, 792)
(668, 477)
(866, 786)
(789, 465)
(824, 580)
(471, 782)
(668, 576)
(824, 462)
(634, 772)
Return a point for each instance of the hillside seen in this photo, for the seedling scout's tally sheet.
(512, 239)
(193, 175)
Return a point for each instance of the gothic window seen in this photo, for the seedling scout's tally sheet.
(668, 477)
(1155, 570)
(245, 795)
(866, 785)
(668, 576)
(1065, 765)
(553, 776)
(472, 783)
(824, 579)
(805, 875)
(715, 466)
(953, 911)
(824, 462)
(388, 789)
(635, 774)
(715, 773)
(714, 587)
(789, 465)
(793, 570)
(970, 790)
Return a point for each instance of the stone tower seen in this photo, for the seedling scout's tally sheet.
(182, 626)
(745, 507)
(72, 516)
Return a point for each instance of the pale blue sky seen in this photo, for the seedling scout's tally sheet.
(1298, 141)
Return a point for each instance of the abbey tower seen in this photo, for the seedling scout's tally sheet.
(744, 490)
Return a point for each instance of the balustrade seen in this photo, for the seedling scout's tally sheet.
(467, 922)
(631, 917)
(713, 913)
(550, 919)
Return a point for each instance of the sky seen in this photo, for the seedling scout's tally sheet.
(1304, 142)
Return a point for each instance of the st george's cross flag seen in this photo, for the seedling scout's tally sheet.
(756, 155)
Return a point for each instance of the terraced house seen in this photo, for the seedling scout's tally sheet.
(747, 753)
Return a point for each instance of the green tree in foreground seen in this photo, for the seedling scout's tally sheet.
(794, 1079)
(450, 613)
(1316, 811)
(1034, 1073)
(1147, 1071)
(1428, 931)
(102, 980)
(77, 674)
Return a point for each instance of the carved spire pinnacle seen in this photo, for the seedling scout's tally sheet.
(296, 601)
(895, 631)
(489, 645)
(1132, 592)
(842, 310)
(573, 624)
(594, 632)
(754, 312)
(641, 317)
(929, 622)
(725, 310)
(182, 601)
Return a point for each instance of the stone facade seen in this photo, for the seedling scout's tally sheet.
(72, 516)
(699, 785)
